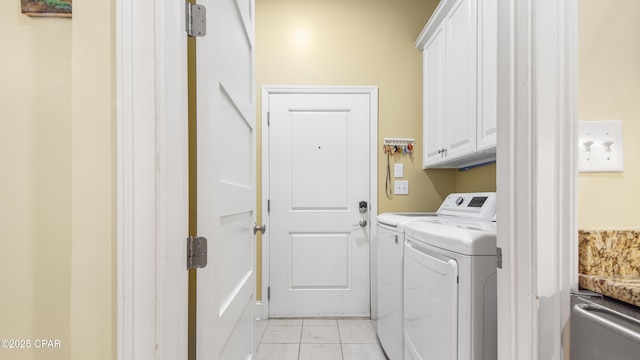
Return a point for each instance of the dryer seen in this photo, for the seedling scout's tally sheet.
(389, 249)
(450, 290)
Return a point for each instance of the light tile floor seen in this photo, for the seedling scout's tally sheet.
(317, 339)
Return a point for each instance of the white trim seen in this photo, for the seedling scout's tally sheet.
(571, 115)
(172, 181)
(438, 16)
(135, 184)
(152, 191)
(536, 175)
(265, 211)
(515, 330)
(259, 310)
(372, 91)
(373, 197)
(124, 64)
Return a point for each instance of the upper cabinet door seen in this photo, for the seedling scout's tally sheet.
(460, 24)
(487, 74)
(434, 98)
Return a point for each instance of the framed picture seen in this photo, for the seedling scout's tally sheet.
(60, 8)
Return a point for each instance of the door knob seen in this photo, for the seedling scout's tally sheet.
(262, 228)
(362, 223)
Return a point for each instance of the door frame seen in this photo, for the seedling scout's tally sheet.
(372, 91)
(536, 176)
(151, 158)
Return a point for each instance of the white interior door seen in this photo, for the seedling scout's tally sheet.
(319, 169)
(226, 181)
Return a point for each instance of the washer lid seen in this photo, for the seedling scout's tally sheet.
(464, 236)
(395, 218)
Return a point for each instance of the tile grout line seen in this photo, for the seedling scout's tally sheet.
(302, 326)
(300, 343)
(340, 338)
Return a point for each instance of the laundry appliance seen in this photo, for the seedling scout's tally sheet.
(603, 328)
(389, 248)
(450, 288)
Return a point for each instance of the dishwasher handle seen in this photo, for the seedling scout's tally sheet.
(587, 312)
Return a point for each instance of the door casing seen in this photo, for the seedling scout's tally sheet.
(536, 176)
(372, 91)
(152, 180)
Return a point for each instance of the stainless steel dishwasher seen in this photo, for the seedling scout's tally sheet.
(603, 329)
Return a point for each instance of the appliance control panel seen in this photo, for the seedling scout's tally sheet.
(472, 205)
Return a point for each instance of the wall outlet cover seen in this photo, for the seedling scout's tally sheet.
(398, 170)
(401, 187)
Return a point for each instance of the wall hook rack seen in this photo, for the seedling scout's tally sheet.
(399, 141)
(398, 145)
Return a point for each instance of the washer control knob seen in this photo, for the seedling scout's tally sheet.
(459, 200)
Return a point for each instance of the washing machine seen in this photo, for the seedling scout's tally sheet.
(389, 272)
(450, 290)
(390, 238)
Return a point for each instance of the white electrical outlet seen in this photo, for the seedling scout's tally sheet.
(401, 187)
(600, 146)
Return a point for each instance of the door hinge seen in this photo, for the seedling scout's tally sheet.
(196, 20)
(268, 118)
(269, 205)
(269, 293)
(499, 257)
(196, 252)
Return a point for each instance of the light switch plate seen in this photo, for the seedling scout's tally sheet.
(398, 170)
(401, 187)
(600, 146)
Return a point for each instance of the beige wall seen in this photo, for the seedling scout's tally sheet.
(93, 180)
(35, 181)
(57, 202)
(609, 77)
(481, 178)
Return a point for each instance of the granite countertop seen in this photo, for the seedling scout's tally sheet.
(621, 287)
(609, 252)
(609, 263)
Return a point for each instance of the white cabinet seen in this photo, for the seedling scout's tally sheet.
(487, 74)
(459, 83)
(460, 73)
(433, 97)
